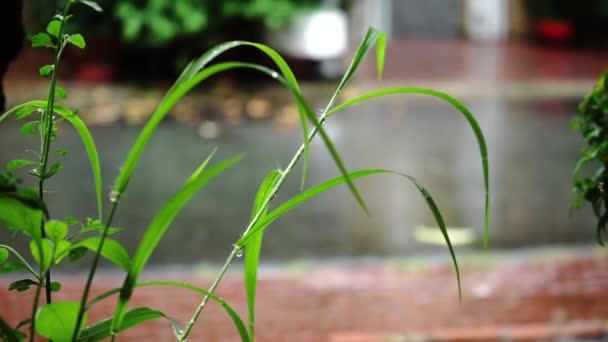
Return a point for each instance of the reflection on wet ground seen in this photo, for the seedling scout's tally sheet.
(532, 152)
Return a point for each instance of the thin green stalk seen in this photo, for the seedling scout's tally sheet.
(34, 309)
(199, 309)
(23, 261)
(47, 119)
(93, 269)
(284, 174)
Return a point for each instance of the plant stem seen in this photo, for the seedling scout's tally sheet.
(87, 287)
(47, 119)
(199, 309)
(284, 174)
(34, 309)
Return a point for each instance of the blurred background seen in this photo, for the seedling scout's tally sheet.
(520, 66)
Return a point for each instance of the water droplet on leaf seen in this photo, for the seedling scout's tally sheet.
(114, 196)
(239, 253)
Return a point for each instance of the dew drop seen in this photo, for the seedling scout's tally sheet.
(274, 74)
(239, 253)
(114, 196)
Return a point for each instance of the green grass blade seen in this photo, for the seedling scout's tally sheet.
(481, 141)
(161, 223)
(112, 250)
(332, 183)
(90, 148)
(238, 323)
(101, 329)
(254, 247)
(183, 84)
(217, 68)
(380, 53)
(85, 136)
(371, 38)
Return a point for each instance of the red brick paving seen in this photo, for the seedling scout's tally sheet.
(525, 301)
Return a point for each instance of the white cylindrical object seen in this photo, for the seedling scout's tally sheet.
(486, 20)
(317, 34)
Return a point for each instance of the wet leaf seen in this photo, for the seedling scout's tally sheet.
(25, 112)
(101, 330)
(12, 266)
(53, 28)
(55, 286)
(3, 255)
(57, 321)
(29, 128)
(77, 40)
(21, 285)
(112, 250)
(56, 230)
(254, 247)
(53, 170)
(19, 163)
(42, 253)
(62, 151)
(41, 40)
(60, 92)
(77, 253)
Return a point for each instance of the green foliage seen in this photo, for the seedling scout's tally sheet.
(101, 330)
(23, 209)
(57, 321)
(254, 247)
(592, 123)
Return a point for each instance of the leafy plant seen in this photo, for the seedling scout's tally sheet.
(23, 210)
(160, 21)
(592, 123)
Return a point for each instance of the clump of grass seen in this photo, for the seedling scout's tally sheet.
(54, 241)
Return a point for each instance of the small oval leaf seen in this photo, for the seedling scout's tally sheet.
(56, 230)
(77, 40)
(43, 260)
(60, 92)
(41, 40)
(21, 285)
(53, 28)
(112, 250)
(57, 321)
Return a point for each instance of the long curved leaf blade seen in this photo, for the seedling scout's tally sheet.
(112, 250)
(185, 82)
(332, 183)
(101, 329)
(380, 54)
(370, 39)
(238, 323)
(481, 141)
(161, 223)
(91, 149)
(85, 136)
(254, 247)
